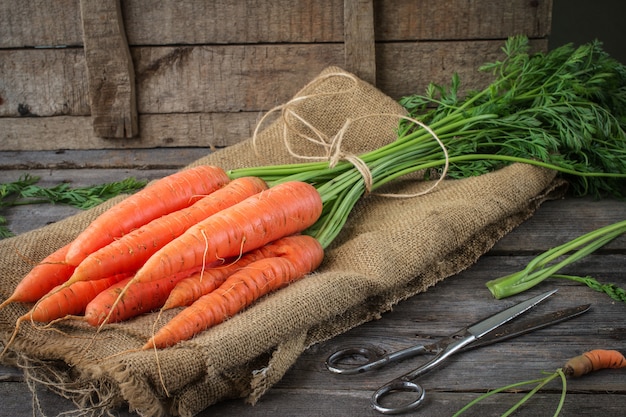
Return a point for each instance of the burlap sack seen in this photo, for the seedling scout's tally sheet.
(390, 249)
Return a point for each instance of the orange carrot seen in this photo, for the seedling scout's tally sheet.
(280, 211)
(130, 252)
(138, 298)
(164, 196)
(203, 282)
(70, 300)
(593, 361)
(42, 278)
(300, 255)
(62, 301)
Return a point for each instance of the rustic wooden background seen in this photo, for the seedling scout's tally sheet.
(204, 71)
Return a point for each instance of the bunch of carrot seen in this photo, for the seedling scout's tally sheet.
(158, 238)
(195, 239)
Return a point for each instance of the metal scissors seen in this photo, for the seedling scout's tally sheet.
(490, 330)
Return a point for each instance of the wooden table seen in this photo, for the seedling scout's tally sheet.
(308, 389)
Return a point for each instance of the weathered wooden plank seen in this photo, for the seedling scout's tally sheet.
(110, 71)
(169, 79)
(207, 130)
(342, 403)
(350, 402)
(228, 21)
(42, 23)
(43, 82)
(359, 39)
(160, 158)
(46, 23)
(560, 221)
(308, 389)
(227, 78)
(205, 79)
(461, 19)
(407, 68)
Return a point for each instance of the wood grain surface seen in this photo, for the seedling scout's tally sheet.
(308, 389)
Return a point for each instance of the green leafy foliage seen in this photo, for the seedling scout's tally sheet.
(566, 108)
(26, 191)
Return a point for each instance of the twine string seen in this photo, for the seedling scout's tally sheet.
(332, 146)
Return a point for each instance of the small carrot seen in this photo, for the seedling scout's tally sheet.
(301, 254)
(63, 301)
(71, 300)
(131, 251)
(203, 282)
(594, 360)
(42, 278)
(164, 196)
(282, 210)
(139, 298)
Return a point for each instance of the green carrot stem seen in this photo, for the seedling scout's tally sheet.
(541, 382)
(539, 386)
(540, 268)
(564, 110)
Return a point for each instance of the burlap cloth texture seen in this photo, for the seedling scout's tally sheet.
(390, 249)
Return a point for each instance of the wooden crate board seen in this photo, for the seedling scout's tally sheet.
(205, 79)
(51, 24)
(308, 389)
(204, 71)
(209, 96)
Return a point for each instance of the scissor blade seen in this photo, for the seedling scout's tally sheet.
(483, 327)
(515, 329)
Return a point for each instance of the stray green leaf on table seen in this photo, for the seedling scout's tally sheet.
(541, 382)
(547, 264)
(26, 191)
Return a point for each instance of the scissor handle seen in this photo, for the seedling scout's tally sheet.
(396, 386)
(364, 355)
(367, 359)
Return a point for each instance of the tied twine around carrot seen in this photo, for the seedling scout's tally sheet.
(333, 145)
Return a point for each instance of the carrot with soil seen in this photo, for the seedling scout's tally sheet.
(164, 196)
(299, 255)
(131, 251)
(594, 360)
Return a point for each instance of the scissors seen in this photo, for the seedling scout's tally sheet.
(490, 330)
